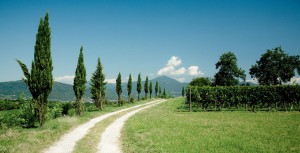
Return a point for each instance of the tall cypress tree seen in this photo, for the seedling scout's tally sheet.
(98, 86)
(79, 83)
(164, 93)
(139, 86)
(182, 92)
(119, 88)
(150, 89)
(156, 88)
(159, 91)
(40, 80)
(129, 87)
(146, 88)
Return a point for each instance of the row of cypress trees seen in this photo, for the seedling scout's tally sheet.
(40, 79)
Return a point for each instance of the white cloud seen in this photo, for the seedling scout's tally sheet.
(111, 80)
(295, 80)
(253, 81)
(174, 61)
(180, 71)
(170, 69)
(65, 79)
(181, 80)
(193, 71)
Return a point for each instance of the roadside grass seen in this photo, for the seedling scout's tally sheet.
(164, 129)
(33, 140)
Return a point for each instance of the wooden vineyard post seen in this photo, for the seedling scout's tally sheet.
(190, 100)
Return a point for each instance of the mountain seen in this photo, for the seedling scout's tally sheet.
(64, 92)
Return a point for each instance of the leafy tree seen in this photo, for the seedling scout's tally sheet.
(146, 88)
(129, 87)
(119, 88)
(182, 92)
(275, 67)
(201, 81)
(98, 86)
(229, 72)
(139, 86)
(150, 89)
(40, 80)
(79, 83)
(156, 88)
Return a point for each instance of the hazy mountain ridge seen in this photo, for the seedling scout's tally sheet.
(64, 92)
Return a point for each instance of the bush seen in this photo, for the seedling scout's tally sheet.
(8, 105)
(55, 110)
(91, 108)
(27, 114)
(284, 97)
(131, 99)
(66, 107)
(72, 112)
(10, 119)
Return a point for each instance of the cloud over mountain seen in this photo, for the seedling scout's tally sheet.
(170, 69)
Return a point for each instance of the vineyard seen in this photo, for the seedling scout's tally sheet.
(252, 98)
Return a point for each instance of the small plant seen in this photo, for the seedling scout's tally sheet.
(27, 112)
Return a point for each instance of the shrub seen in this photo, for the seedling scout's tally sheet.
(131, 99)
(66, 107)
(55, 110)
(72, 112)
(27, 114)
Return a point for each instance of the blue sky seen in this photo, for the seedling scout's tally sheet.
(182, 39)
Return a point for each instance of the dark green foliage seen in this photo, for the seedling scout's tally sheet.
(9, 105)
(40, 80)
(275, 67)
(159, 91)
(27, 112)
(139, 86)
(150, 89)
(201, 81)
(285, 97)
(164, 93)
(119, 88)
(182, 92)
(98, 86)
(55, 110)
(156, 88)
(228, 73)
(79, 83)
(129, 87)
(66, 107)
(146, 88)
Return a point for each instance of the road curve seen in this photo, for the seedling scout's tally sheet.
(68, 141)
(110, 142)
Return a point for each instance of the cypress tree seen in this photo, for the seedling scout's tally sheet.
(146, 88)
(150, 89)
(139, 86)
(119, 88)
(40, 80)
(156, 88)
(164, 93)
(159, 91)
(79, 83)
(129, 87)
(182, 92)
(98, 86)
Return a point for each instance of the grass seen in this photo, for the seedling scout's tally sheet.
(33, 140)
(163, 129)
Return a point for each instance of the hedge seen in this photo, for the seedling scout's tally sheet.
(283, 97)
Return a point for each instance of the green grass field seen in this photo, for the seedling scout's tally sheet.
(17, 139)
(164, 129)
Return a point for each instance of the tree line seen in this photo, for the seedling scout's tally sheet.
(40, 80)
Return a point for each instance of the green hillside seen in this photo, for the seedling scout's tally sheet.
(64, 92)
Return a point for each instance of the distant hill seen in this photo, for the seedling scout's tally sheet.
(64, 92)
